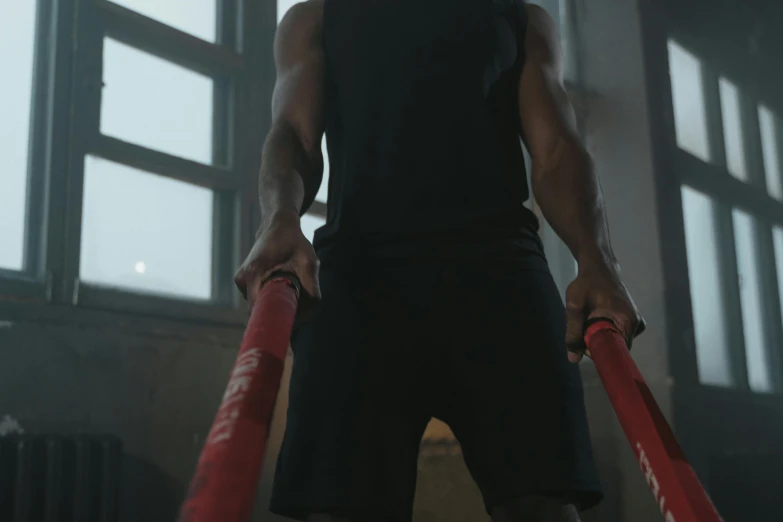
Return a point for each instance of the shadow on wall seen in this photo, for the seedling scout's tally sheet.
(148, 493)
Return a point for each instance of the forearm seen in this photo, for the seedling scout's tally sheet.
(288, 178)
(569, 195)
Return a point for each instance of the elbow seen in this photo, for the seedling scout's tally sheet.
(289, 152)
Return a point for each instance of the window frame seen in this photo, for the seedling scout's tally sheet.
(714, 179)
(65, 127)
(48, 103)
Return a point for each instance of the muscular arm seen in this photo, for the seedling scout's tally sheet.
(564, 182)
(292, 164)
(567, 190)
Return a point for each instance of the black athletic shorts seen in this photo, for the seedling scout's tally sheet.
(478, 345)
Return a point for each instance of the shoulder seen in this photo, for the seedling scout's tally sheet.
(301, 19)
(300, 29)
(542, 40)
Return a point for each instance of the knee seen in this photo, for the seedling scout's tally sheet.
(536, 509)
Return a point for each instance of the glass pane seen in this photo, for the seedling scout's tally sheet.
(751, 300)
(144, 232)
(777, 238)
(17, 43)
(156, 104)
(323, 190)
(197, 17)
(709, 322)
(690, 116)
(283, 6)
(732, 129)
(769, 125)
(310, 224)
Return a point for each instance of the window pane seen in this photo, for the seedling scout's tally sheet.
(197, 17)
(750, 298)
(323, 190)
(145, 232)
(732, 129)
(769, 145)
(17, 34)
(690, 117)
(154, 103)
(777, 238)
(310, 224)
(283, 6)
(709, 322)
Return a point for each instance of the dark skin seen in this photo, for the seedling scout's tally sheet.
(564, 183)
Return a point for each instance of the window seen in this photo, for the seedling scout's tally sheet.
(732, 129)
(751, 300)
(770, 140)
(709, 321)
(777, 239)
(145, 232)
(160, 183)
(135, 182)
(690, 116)
(155, 103)
(17, 44)
(733, 237)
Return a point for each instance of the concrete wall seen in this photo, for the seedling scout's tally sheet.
(156, 385)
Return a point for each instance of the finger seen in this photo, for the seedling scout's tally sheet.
(641, 326)
(625, 322)
(241, 282)
(308, 276)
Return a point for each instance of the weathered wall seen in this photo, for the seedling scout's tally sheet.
(157, 389)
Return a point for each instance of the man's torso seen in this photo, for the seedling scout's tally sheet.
(422, 128)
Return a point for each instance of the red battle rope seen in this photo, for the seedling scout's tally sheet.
(224, 487)
(674, 484)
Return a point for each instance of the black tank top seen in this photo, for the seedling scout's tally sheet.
(422, 129)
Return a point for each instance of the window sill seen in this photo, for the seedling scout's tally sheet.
(102, 308)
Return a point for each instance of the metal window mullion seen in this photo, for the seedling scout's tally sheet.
(727, 255)
(58, 146)
(226, 218)
(161, 163)
(169, 43)
(257, 25)
(40, 120)
(84, 129)
(226, 207)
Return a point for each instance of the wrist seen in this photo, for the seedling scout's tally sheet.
(279, 217)
(597, 259)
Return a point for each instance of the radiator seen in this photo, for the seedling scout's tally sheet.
(45, 478)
